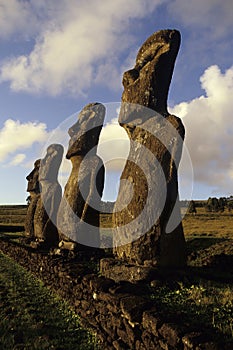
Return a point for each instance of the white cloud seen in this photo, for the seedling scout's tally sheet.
(209, 130)
(113, 146)
(18, 159)
(16, 136)
(13, 15)
(21, 17)
(77, 41)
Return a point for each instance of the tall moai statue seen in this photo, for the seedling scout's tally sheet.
(78, 215)
(45, 225)
(148, 228)
(34, 191)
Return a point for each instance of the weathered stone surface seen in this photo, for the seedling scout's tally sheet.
(67, 245)
(133, 332)
(51, 192)
(148, 341)
(127, 287)
(101, 284)
(109, 299)
(145, 231)
(33, 178)
(34, 190)
(119, 345)
(194, 339)
(147, 84)
(171, 333)
(78, 215)
(123, 336)
(151, 320)
(210, 346)
(118, 271)
(132, 308)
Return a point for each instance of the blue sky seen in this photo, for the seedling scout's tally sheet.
(58, 55)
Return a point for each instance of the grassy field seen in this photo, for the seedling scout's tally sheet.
(12, 215)
(202, 305)
(203, 224)
(32, 317)
(203, 227)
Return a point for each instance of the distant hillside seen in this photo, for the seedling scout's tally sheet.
(12, 214)
(13, 206)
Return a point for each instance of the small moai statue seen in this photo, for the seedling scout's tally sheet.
(45, 219)
(78, 214)
(143, 233)
(34, 191)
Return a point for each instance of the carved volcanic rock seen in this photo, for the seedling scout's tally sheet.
(34, 189)
(33, 178)
(50, 198)
(147, 84)
(146, 232)
(78, 215)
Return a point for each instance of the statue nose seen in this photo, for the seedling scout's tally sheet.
(70, 131)
(30, 176)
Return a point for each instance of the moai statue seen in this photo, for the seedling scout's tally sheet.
(145, 231)
(34, 191)
(78, 215)
(45, 225)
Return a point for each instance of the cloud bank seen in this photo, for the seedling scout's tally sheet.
(18, 159)
(113, 146)
(18, 17)
(16, 136)
(209, 130)
(79, 43)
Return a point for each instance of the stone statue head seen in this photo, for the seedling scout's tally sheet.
(33, 178)
(85, 133)
(51, 162)
(147, 84)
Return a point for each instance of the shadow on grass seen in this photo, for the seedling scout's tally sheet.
(210, 273)
(196, 244)
(11, 228)
(7, 237)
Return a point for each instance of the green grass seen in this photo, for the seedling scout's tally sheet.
(201, 306)
(32, 317)
(217, 225)
(12, 214)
